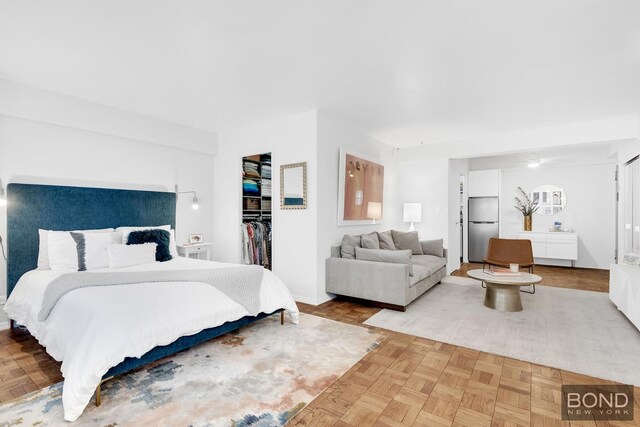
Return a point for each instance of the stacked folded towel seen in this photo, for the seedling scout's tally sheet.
(250, 169)
(266, 171)
(266, 187)
(250, 187)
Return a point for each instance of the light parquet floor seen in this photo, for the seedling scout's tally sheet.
(412, 381)
(406, 381)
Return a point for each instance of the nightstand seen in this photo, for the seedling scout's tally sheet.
(186, 250)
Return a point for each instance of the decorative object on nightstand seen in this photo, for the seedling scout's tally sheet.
(188, 249)
(527, 206)
(196, 238)
(412, 212)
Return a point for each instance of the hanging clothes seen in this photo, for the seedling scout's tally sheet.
(256, 243)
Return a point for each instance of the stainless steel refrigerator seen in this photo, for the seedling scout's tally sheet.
(483, 225)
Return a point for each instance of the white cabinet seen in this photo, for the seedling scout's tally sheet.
(552, 244)
(484, 183)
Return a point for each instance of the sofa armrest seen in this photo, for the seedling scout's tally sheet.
(371, 280)
(445, 253)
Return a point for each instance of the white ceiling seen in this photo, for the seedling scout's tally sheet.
(585, 154)
(404, 71)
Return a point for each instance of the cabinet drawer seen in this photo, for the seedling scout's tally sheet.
(562, 238)
(564, 250)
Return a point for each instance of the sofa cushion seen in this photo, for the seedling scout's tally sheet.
(370, 241)
(433, 247)
(386, 241)
(430, 262)
(349, 245)
(384, 255)
(420, 272)
(408, 240)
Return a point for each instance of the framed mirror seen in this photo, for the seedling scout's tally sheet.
(293, 186)
(550, 199)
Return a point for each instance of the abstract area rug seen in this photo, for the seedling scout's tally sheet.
(262, 375)
(578, 331)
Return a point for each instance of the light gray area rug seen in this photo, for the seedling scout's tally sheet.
(578, 331)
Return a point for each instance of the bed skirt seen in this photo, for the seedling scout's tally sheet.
(182, 343)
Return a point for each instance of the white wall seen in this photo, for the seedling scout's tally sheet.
(289, 140)
(431, 183)
(456, 169)
(302, 239)
(26, 102)
(590, 208)
(334, 133)
(45, 152)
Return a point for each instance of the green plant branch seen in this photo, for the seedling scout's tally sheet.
(525, 205)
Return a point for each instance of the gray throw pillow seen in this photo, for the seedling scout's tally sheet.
(386, 241)
(408, 240)
(370, 241)
(349, 245)
(433, 247)
(384, 255)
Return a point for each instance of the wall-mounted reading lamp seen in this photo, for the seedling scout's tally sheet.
(3, 196)
(194, 205)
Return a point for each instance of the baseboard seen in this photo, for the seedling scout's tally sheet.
(4, 325)
(311, 301)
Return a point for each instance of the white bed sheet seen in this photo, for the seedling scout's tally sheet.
(92, 329)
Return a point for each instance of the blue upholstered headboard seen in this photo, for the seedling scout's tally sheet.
(30, 207)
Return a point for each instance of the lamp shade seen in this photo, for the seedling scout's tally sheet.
(374, 210)
(412, 212)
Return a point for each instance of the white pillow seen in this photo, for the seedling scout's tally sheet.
(173, 248)
(172, 242)
(91, 249)
(130, 255)
(43, 251)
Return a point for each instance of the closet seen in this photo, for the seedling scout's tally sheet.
(256, 210)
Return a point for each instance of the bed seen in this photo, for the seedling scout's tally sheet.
(100, 332)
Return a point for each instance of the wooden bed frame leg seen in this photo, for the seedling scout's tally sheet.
(98, 396)
(282, 317)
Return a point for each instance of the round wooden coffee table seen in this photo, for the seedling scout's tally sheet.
(503, 293)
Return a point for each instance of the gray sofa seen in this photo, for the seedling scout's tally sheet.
(387, 284)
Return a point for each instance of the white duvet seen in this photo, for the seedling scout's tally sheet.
(93, 329)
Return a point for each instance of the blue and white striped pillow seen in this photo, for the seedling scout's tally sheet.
(92, 249)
